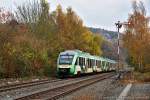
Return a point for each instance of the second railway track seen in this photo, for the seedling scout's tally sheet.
(26, 84)
(57, 92)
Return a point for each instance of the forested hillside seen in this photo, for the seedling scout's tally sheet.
(110, 43)
(109, 35)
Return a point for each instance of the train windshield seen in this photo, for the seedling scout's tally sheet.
(66, 59)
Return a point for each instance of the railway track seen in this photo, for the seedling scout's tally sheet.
(26, 84)
(57, 92)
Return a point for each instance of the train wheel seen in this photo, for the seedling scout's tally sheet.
(78, 73)
(61, 76)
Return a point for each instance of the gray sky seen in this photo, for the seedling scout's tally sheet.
(94, 13)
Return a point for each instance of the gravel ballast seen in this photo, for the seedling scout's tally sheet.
(107, 89)
(17, 93)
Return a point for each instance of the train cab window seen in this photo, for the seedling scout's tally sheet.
(66, 59)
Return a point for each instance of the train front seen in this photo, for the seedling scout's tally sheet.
(65, 66)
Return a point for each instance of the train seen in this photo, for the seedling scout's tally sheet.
(76, 62)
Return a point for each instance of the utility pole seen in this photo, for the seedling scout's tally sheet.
(118, 25)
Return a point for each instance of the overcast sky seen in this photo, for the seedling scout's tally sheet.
(94, 13)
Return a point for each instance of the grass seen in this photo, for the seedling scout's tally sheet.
(136, 77)
(142, 77)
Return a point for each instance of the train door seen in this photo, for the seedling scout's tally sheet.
(109, 66)
(99, 69)
(77, 67)
(91, 69)
(103, 65)
(89, 66)
(86, 65)
(82, 64)
(106, 66)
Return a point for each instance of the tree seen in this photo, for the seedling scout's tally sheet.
(137, 35)
(35, 51)
(35, 15)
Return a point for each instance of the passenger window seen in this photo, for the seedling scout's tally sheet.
(103, 63)
(76, 63)
(90, 63)
(81, 61)
(99, 64)
(96, 62)
(87, 62)
(93, 62)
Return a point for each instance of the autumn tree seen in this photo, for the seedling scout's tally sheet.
(71, 28)
(136, 39)
(40, 35)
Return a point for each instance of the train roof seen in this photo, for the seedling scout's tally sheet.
(84, 54)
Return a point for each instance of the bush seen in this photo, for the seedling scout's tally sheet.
(47, 70)
(1, 69)
(22, 68)
(142, 77)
